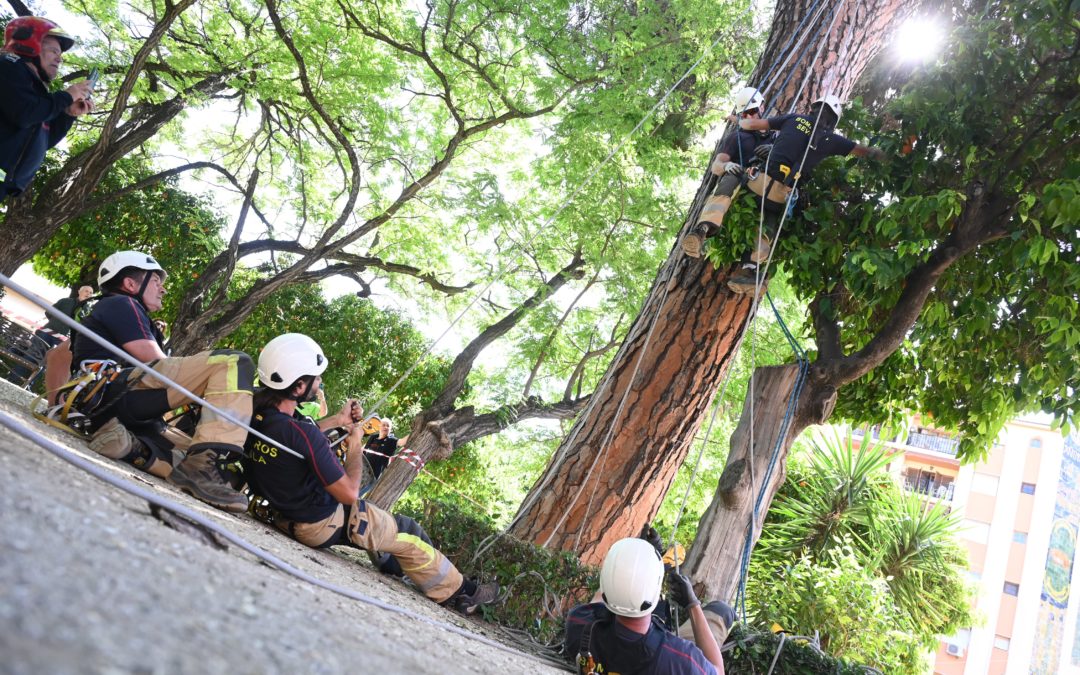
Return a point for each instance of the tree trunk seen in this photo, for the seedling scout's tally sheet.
(697, 332)
(679, 369)
(715, 559)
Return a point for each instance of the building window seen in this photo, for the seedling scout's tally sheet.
(1020, 537)
(1001, 642)
(975, 531)
(1036, 443)
(1027, 488)
(1011, 589)
(984, 484)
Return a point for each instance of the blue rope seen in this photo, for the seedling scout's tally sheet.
(785, 425)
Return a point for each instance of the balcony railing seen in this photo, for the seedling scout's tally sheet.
(942, 444)
(935, 490)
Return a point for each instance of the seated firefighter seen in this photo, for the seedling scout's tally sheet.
(315, 499)
(801, 143)
(736, 153)
(127, 421)
(622, 631)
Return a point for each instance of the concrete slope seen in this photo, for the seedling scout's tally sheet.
(91, 582)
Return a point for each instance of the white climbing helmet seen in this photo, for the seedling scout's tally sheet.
(287, 358)
(122, 260)
(834, 104)
(631, 578)
(748, 98)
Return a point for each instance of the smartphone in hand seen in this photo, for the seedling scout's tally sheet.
(95, 73)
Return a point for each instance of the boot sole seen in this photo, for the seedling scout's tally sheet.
(193, 489)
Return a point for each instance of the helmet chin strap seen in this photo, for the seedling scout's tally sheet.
(307, 394)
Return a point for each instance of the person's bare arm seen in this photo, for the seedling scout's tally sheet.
(719, 163)
(753, 124)
(350, 413)
(144, 350)
(347, 488)
(876, 154)
(704, 638)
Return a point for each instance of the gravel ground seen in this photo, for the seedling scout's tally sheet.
(92, 582)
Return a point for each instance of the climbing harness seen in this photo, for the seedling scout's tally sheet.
(585, 661)
(82, 397)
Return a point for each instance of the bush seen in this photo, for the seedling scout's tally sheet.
(541, 585)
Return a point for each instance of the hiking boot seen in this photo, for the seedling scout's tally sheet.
(761, 252)
(114, 441)
(201, 475)
(744, 281)
(468, 603)
(695, 239)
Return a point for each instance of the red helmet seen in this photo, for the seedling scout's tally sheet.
(24, 34)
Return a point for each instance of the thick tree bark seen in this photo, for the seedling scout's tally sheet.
(698, 329)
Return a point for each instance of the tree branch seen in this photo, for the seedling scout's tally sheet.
(463, 364)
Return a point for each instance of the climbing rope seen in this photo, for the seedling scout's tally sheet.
(408, 456)
(15, 425)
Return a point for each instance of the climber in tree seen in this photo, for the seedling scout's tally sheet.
(802, 142)
(736, 153)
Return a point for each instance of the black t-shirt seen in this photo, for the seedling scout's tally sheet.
(295, 487)
(620, 650)
(67, 306)
(748, 141)
(793, 135)
(119, 319)
(386, 446)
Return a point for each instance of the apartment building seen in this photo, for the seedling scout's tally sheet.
(1021, 512)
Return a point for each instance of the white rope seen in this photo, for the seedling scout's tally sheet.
(144, 368)
(14, 424)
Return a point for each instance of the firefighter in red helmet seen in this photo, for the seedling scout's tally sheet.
(33, 118)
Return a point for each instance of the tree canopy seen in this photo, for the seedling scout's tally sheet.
(975, 209)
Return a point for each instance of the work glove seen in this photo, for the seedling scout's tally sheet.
(681, 591)
(762, 151)
(649, 534)
(733, 169)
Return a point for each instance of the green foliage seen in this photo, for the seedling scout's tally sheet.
(996, 118)
(756, 652)
(181, 230)
(368, 348)
(845, 552)
(848, 603)
(541, 585)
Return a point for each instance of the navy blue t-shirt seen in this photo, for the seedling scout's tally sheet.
(295, 487)
(794, 134)
(119, 319)
(32, 120)
(620, 650)
(748, 140)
